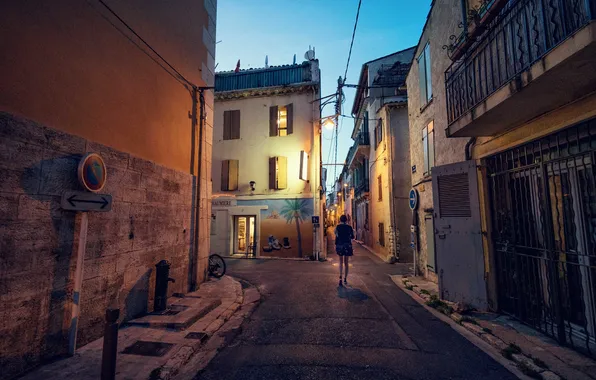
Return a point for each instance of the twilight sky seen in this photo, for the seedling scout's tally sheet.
(251, 29)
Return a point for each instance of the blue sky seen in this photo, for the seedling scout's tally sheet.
(251, 29)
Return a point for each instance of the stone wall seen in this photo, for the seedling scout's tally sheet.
(152, 219)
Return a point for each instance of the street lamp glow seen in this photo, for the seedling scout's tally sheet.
(328, 123)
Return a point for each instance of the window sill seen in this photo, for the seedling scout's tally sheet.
(424, 107)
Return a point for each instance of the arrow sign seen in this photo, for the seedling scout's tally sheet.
(84, 201)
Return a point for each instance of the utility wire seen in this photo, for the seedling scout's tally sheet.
(146, 43)
(137, 45)
(352, 43)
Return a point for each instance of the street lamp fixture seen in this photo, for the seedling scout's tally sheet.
(328, 122)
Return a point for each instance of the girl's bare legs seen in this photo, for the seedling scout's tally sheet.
(341, 267)
(346, 263)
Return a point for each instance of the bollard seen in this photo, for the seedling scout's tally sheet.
(110, 345)
(162, 277)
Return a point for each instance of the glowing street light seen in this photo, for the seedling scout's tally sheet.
(328, 122)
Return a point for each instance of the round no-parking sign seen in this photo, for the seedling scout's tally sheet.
(92, 172)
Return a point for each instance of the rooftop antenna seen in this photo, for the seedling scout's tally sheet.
(266, 61)
(293, 63)
(310, 54)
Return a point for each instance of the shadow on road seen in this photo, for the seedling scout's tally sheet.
(351, 294)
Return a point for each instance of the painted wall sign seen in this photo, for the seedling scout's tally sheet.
(92, 172)
(223, 202)
(413, 199)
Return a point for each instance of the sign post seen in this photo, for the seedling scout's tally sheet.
(92, 175)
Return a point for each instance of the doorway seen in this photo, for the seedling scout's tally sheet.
(245, 241)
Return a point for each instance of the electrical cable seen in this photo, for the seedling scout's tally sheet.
(352, 43)
(146, 43)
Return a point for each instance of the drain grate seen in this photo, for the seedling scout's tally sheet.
(170, 312)
(144, 348)
(197, 335)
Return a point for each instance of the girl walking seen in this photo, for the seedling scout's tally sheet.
(343, 246)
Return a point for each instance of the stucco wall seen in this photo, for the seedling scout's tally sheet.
(66, 66)
(255, 146)
(442, 22)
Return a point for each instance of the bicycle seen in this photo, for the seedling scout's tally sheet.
(217, 265)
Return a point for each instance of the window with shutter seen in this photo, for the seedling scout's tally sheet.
(278, 173)
(227, 129)
(273, 121)
(231, 125)
(225, 171)
(379, 131)
(290, 118)
(428, 145)
(235, 125)
(382, 234)
(282, 173)
(229, 175)
(424, 75)
(380, 188)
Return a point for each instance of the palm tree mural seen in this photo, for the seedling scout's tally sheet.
(296, 210)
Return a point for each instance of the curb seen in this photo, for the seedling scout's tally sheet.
(221, 332)
(509, 355)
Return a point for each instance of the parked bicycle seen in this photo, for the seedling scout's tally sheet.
(217, 265)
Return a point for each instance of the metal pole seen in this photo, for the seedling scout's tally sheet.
(78, 282)
(110, 345)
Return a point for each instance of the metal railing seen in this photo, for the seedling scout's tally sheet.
(522, 33)
(543, 208)
(361, 140)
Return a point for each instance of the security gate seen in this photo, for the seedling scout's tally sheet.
(543, 207)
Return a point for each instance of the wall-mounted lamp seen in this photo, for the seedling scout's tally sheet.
(253, 185)
(328, 122)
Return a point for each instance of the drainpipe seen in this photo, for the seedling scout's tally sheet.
(391, 199)
(469, 146)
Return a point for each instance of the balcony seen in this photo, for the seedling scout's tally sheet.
(533, 57)
(361, 148)
(361, 188)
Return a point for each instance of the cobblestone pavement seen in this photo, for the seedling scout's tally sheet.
(306, 327)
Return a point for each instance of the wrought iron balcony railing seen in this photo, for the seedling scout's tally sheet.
(361, 140)
(523, 32)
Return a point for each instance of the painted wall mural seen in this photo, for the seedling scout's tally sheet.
(286, 228)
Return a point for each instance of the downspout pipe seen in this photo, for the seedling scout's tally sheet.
(469, 146)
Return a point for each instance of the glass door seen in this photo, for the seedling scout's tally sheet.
(244, 235)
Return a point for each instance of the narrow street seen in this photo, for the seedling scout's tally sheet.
(307, 327)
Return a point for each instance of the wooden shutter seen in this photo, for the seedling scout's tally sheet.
(235, 124)
(233, 175)
(273, 121)
(422, 78)
(272, 172)
(225, 175)
(282, 173)
(290, 116)
(380, 186)
(227, 130)
(382, 234)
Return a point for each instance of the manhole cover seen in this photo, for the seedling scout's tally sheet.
(197, 335)
(145, 348)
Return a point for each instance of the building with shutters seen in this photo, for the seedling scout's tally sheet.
(267, 162)
(513, 201)
(378, 188)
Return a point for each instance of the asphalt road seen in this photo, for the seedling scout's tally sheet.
(307, 327)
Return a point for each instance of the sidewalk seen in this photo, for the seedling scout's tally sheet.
(535, 354)
(167, 346)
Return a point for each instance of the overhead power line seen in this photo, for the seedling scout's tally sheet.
(352, 43)
(180, 76)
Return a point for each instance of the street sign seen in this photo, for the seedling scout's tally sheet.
(92, 172)
(413, 199)
(84, 201)
(315, 219)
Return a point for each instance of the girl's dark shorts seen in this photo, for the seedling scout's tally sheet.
(344, 250)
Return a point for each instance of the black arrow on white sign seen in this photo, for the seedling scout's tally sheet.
(72, 200)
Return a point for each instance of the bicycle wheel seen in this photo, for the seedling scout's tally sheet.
(217, 266)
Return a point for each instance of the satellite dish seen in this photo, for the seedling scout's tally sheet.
(309, 55)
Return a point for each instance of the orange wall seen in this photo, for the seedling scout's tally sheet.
(65, 66)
